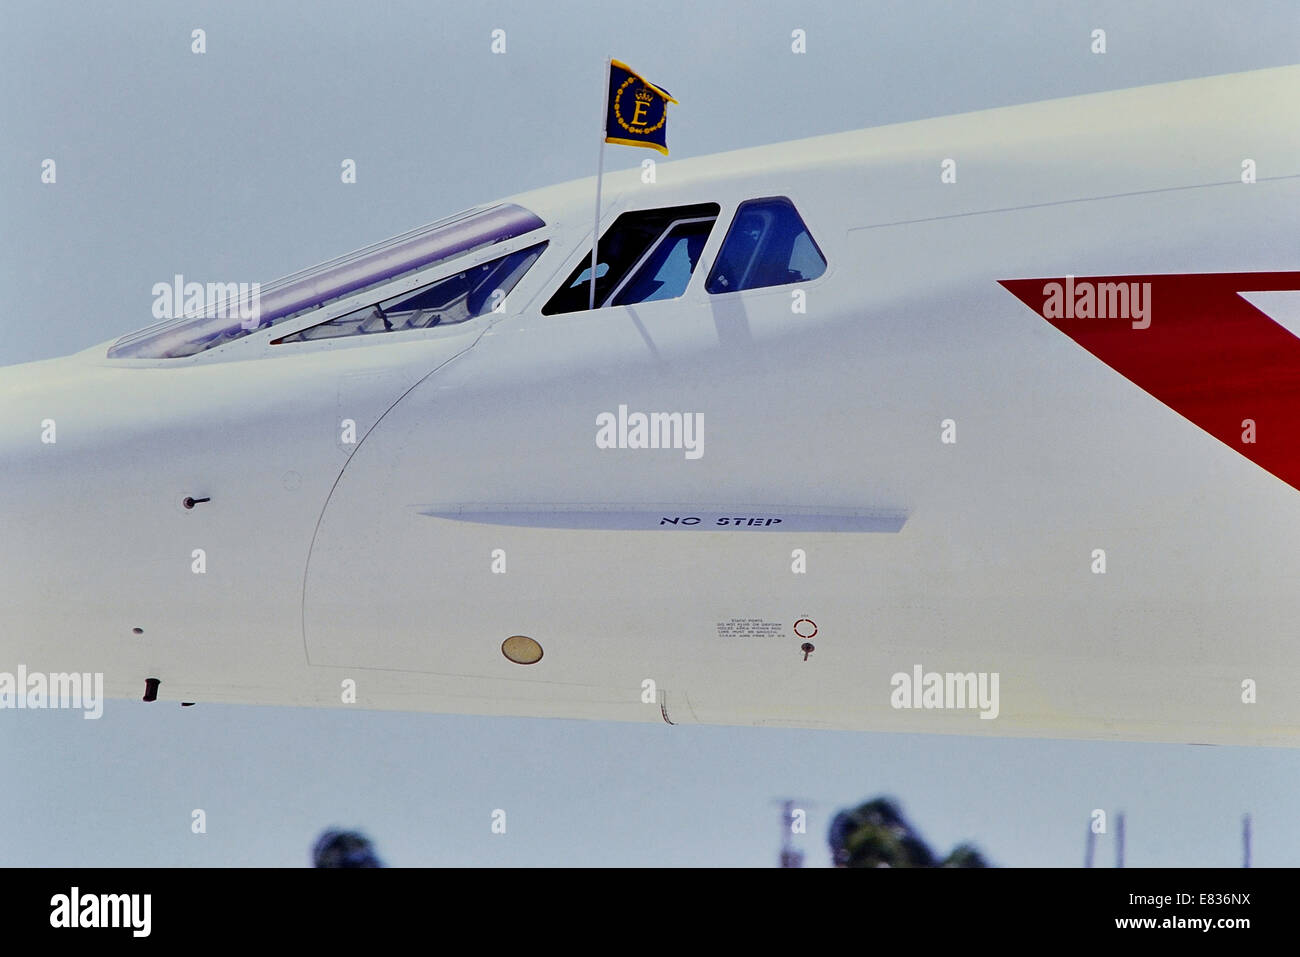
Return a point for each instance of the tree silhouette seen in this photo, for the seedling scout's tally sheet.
(876, 834)
(344, 849)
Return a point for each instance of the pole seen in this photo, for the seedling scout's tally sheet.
(1245, 841)
(600, 172)
(1119, 840)
(791, 856)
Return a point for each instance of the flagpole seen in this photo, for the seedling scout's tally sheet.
(600, 173)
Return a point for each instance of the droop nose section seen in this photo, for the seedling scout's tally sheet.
(60, 507)
(34, 396)
(22, 389)
(37, 403)
(36, 557)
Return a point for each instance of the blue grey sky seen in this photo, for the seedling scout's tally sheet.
(227, 164)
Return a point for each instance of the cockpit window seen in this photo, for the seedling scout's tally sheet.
(453, 299)
(767, 245)
(222, 322)
(666, 269)
(645, 255)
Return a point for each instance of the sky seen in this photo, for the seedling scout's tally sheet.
(227, 163)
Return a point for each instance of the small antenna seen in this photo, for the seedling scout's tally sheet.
(791, 856)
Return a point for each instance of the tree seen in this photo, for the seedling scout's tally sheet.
(877, 835)
(344, 849)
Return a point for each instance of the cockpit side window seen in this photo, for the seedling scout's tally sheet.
(666, 269)
(450, 300)
(767, 245)
(646, 255)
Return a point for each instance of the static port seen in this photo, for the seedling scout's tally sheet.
(522, 650)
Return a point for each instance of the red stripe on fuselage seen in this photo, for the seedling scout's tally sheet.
(1208, 354)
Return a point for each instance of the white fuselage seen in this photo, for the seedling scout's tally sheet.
(379, 561)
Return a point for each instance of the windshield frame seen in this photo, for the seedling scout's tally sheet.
(345, 276)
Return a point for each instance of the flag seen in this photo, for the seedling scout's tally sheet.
(637, 111)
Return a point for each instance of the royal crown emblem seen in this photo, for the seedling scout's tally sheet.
(636, 113)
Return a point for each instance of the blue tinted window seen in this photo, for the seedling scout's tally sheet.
(450, 300)
(585, 275)
(767, 245)
(667, 271)
(640, 257)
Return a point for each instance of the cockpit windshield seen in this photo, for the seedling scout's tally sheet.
(220, 322)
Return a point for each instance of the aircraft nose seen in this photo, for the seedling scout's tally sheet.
(52, 477)
(24, 570)
(40, 406)
(35, 414)
(33, 396)
(18, 387)
(28, 427)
